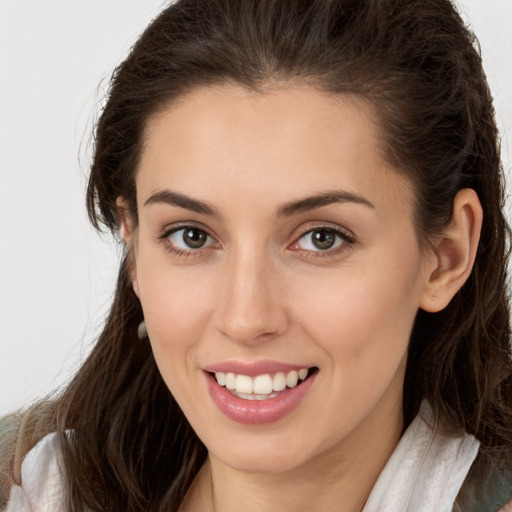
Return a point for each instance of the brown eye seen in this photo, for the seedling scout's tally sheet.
(194, 238)
(323, 239)
(190, 238)
(320, 240)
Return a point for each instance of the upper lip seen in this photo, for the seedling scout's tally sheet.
(252, 369)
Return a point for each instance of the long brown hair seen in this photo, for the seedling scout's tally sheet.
(128, 445)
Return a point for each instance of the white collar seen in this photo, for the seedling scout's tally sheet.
(426, 470)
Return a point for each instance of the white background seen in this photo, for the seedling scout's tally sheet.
(57, 275)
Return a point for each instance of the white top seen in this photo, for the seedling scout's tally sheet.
(43, 487)
(424, 473)
(426, 470)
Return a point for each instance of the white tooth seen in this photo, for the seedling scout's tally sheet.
(230, 381)
(263, 384)
(243, 384)
(303, 373)
(292, 378)
(221, 378)
(254, 396)
(279, 382)
(246, 396)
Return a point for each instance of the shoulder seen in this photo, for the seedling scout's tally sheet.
(42, 486)
(487, 488)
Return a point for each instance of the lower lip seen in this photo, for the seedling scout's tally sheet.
(258, 412)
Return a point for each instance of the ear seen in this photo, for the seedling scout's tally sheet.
(454, 252)
(128, 233)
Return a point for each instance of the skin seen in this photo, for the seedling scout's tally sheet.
(260, 290)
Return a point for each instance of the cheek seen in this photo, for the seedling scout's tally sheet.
(362, 323)
(176, 306)
(363, 313)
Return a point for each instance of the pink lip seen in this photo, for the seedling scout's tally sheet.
(254, 368)
(258, 412)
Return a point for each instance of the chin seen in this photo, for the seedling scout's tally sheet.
(264, 463)
(268, 454)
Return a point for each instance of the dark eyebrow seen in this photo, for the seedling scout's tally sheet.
(319, 200)
(176, 199)
(286, 210)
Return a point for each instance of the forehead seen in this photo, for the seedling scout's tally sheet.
(289, 140)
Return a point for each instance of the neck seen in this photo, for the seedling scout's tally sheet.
(340, 478)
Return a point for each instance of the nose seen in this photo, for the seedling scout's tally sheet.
(251, 308)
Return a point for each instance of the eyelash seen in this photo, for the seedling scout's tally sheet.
(183, 253)
(347, 241)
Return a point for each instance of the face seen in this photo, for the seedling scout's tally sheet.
(274, 241)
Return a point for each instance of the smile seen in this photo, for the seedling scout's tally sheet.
(260, 387)
(258, 394)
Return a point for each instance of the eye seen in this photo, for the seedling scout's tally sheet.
(321, 239)
(189, 237)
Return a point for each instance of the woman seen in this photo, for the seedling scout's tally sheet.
(311, 313)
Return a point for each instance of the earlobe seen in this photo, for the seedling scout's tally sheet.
(127, 232)
(454, 252)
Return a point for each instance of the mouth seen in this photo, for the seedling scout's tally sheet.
(259, 398)
(261, 387)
